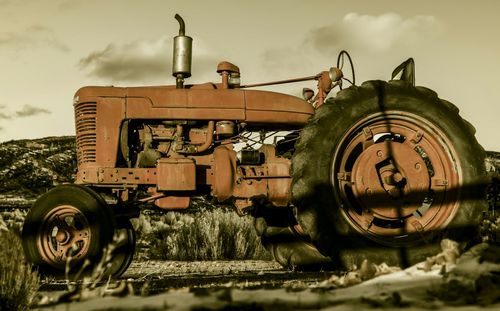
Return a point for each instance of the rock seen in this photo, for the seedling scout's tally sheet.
(475, 278)
(383, 268)
(450, 251)
(351, 278)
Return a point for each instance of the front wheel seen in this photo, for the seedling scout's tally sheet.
(65, 227)
(385, 170)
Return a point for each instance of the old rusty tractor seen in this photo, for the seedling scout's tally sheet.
(382, 171)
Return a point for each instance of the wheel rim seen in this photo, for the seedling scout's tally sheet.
(65, 235)
(397, 177)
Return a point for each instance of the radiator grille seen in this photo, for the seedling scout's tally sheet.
(86, 137)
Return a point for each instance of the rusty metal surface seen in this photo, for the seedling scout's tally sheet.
(99, 121)
(227, 66)
(206, 104)
(64, 234)
(86, 136)
(176, 174)
(400, 185)
(406, 176)
(209, 138)
(172, 202)
(279, 178)
(162, 137)
(223, 173)
(117, 176)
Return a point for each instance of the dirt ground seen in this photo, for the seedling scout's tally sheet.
(263, 285)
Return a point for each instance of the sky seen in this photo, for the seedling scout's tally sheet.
(50, 48)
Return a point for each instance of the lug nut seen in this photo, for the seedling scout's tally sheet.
(398, 177)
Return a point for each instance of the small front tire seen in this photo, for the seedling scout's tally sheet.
(65, 227)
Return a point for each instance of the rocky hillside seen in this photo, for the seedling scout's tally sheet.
(30, 167)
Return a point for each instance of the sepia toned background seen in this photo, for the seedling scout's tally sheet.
(50, 48)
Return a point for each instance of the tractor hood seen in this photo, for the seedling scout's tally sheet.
(203, 103)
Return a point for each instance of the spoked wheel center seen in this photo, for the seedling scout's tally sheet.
(385, 176)
(65, 234)
(397, 178)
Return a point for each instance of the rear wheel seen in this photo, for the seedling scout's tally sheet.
(384, 171)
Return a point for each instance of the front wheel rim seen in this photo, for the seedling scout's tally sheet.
(397, 177)
(65, 236)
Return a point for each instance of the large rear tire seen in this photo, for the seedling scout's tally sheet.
(384, 171)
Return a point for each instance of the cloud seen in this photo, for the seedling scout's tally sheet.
(140, 60)
(358, 33)
(32, 37)
(28, 111)
(3, 115)
(133, 61)
(377, 33)
(66, 5)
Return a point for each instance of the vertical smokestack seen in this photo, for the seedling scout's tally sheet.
(181, 67)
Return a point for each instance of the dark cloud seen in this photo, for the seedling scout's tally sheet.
(129, 62)
(66, 5)
(141, 60)
(33, 36)
(3, 115)
(28, 111)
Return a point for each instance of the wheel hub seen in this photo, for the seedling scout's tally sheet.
(62, 236)
(397, 178)
(384, 177)
(65, 235)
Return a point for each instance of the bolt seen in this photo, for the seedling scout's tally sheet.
(418, 166)
(368, 191)
(380, 153)
(398, 177)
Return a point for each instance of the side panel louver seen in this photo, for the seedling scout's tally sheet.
(86, 138)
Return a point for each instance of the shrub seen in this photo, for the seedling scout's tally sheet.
(18, 283)
(205, 235)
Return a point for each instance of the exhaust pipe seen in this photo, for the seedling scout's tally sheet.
(181, 66)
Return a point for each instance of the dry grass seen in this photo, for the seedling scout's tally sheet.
(210, 234)
(18, 283)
